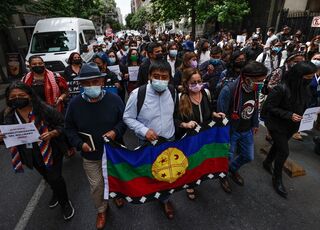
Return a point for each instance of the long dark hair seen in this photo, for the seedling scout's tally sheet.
(294, 80)
(37, 105)
(129, 62)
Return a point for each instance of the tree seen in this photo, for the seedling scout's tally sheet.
(8, 8)
(71, 8)
(139, 19)
(128, 20)
(200, 10)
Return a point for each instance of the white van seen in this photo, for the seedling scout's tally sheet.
(54, 39)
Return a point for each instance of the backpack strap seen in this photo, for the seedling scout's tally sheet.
(264, 56)
(140, 98)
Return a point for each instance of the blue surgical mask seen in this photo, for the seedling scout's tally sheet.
(276, 49)
(173, 53)
(92, 91)
(112, 61)
(159, 85)
(214, 61)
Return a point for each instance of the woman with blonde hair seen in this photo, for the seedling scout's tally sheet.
(195, 107)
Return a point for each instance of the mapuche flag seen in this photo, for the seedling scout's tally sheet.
(149, 172)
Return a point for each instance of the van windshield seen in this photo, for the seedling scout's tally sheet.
(53, 41)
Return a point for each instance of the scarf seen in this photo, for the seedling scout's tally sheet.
(44, 146)
(51, 87)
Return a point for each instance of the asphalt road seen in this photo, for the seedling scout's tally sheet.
(254, 206)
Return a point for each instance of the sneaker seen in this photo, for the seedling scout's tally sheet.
(53, 202)
(68, 211)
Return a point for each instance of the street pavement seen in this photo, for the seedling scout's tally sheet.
(254, 206)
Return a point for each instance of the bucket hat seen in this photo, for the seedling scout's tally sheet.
(89, 71)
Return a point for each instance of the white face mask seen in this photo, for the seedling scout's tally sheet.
(316, 62)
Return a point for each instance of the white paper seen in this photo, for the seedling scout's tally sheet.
(308, 119)
(241, 39)
(133, 73)
(19, 134)
(116, 70)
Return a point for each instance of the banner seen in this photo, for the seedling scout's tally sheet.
(151, 172)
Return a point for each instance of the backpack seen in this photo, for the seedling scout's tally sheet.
(142, 95)
(273, 79)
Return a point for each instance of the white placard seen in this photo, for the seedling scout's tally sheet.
(241, 39)
(116, 70)
(133, 73)
(308, 119)
(315, 21)
(19, 134)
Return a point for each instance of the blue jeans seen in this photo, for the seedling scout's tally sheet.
(242, 144)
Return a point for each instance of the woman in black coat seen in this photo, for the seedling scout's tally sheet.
(45, 156)
(283, 111)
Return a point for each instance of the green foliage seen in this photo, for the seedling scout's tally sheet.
(128, 20)
(139, 19)
(71, 8)
(222, 10)
(8, 8)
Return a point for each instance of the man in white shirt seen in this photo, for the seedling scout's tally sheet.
(154, 117)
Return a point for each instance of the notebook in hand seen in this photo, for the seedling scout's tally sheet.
(87, 138)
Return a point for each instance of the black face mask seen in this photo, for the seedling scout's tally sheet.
(240, 64)
(306, 82)
(77, 61)
(38, 69)
(159, 57)
(18, 103)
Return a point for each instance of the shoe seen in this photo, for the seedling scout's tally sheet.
(191, 194)
(101, 220)
(119, 202)
(279, 187)
(225, 185)
(235, 176)
(53, 202)
(168, 209)
(297, 136)
(267, 166)
(68, 211)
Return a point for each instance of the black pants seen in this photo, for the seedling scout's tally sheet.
(53, 176)
(279, 151)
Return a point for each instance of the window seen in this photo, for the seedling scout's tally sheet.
(90, 36)
(81, 39)
(54, 42)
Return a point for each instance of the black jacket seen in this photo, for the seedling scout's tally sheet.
(278, 109)
(143, 74)
(54, 120)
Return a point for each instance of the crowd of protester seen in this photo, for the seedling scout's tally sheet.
(180, 83)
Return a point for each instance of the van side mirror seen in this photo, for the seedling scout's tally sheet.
(84, 48)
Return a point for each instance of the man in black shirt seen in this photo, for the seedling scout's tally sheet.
(239, 101)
